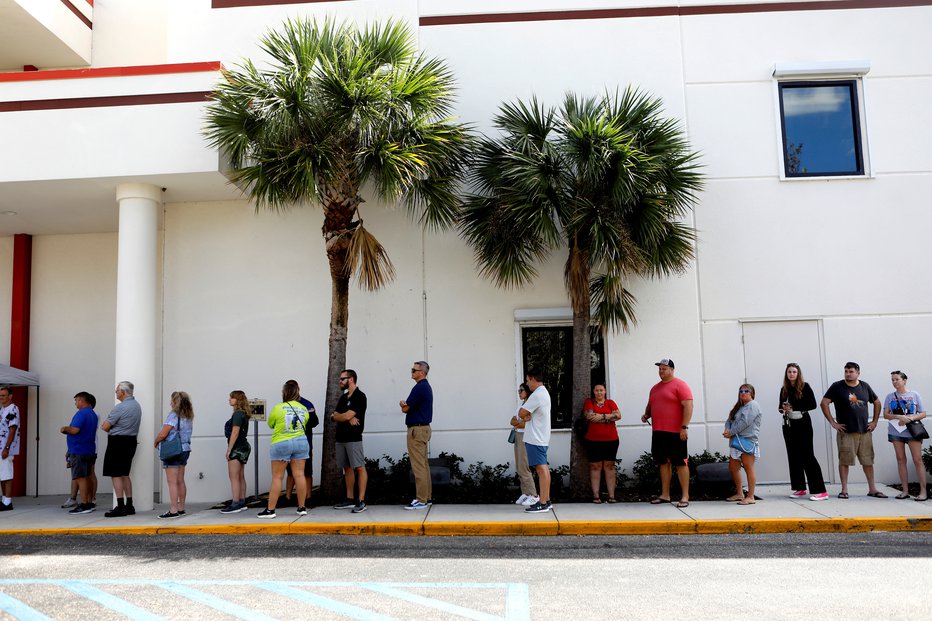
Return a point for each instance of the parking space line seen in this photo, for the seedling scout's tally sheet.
(19, 610)
(289, 589)
(428, 602)
(108, 600)
(217, 603)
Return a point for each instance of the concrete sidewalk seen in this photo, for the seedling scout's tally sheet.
(774, 513)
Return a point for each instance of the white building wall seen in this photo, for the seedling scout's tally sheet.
(246, 294)
(71, 345)
(6, 294)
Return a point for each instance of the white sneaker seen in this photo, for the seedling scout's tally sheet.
(531, 500)
(71, 502)
(521, 499)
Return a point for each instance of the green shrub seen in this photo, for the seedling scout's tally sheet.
(927, 458)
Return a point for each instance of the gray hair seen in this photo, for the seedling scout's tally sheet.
(126, 387)
(423, 366)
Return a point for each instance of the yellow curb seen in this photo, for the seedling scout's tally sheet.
(515, 529)
(503, 529)
(628, 527)
(357, 528)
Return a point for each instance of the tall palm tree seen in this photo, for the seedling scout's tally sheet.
(336, 109)
(609, 180)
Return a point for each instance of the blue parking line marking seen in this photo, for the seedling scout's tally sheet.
(217, 603)
(18, 610)
(354, 612)
(517, 602)
(428, 602)
(107, 600)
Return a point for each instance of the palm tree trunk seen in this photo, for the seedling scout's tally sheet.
(340, 205)
(577, 283)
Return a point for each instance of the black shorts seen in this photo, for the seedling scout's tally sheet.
(666, 447)
(118, 460)
(601, 450)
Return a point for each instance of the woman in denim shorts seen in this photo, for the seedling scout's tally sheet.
(288, 421)
(903, 406)
(179, 421)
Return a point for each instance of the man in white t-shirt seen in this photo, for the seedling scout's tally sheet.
(536, 413)
(9, 444)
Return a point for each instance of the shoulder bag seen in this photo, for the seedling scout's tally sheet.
(170, 448)
(917, 430)
(741, 444)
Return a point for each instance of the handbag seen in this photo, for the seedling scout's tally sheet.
(170, 448)
(512, 435)
(738, 443)
(917, 430)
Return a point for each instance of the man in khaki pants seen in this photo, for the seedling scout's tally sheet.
(419, 412)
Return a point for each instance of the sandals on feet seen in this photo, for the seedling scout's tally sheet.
(659, 501)
(682, 504)
(877, 494)
(735, 498)
(843, 495)
(611, 500)
(596, 501)
(901, 496)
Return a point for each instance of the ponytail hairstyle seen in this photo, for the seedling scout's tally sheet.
(181, 405)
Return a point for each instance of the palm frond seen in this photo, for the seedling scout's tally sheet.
(367, 260)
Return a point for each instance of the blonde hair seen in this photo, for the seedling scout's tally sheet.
(181, 405)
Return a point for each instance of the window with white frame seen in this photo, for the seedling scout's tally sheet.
(821, 119)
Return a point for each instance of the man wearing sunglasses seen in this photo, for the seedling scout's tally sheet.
(419, 413)
(350, 417)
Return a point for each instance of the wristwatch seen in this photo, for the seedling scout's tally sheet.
(684, 427)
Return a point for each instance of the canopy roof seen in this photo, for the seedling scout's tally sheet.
(10, 376)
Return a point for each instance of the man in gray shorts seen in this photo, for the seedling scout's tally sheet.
(350, 417)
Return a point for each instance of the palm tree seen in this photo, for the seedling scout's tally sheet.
(337, 109)
(608, 179)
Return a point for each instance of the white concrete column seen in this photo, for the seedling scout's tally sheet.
(136, 321)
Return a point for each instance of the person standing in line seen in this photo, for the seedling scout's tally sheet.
(419, 414)
(528, 495)
(180, 421)
(903, 406)
(743, 424)
(850, 397)
(9, 445)
(122, 427)
(796, 401)
(350, 417)
(238, 451)
(536, 414)
(287, 420)
(82, 450)
(290, 484)
(601, 441)
(670, 405)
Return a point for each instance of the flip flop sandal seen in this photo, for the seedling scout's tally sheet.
(659, 501)
(843, 495)
(877, 495)
(596, 501)
(901, 496)
(682, 504)
(921, 498)
(611, 500)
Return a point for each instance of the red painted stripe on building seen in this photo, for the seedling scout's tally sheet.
(78, 13)
(708, 9)
(104, 102)
(235, 4)
(111, 72)
(19, 346)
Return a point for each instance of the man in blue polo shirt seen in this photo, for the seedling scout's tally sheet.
(82, 450)
(419, 413)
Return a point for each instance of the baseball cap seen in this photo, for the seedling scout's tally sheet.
(665, 361)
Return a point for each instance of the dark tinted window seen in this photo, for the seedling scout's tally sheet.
(550, 349)
(821, 129)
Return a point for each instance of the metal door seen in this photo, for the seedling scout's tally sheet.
(768, 347)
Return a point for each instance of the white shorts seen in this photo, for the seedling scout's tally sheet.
(6, 469)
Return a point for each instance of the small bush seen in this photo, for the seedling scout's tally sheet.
(927, 458)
